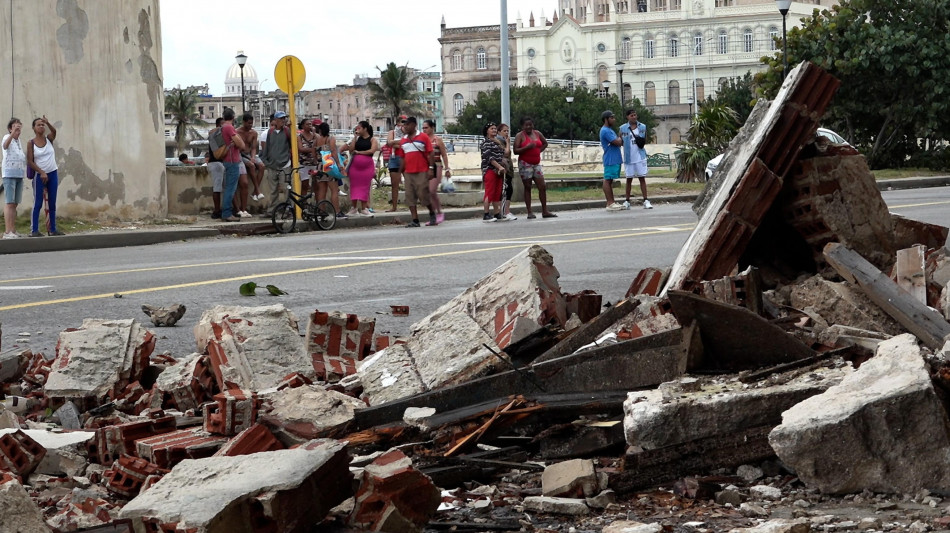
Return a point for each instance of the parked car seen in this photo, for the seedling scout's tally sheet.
(823, 132)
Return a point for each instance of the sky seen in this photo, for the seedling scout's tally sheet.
(334, 40)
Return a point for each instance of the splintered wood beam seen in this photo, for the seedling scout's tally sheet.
(922, 321)
(910, 272)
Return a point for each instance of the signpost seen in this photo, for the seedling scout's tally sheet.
(290, 77)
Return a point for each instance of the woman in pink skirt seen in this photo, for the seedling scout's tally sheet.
(362, 168)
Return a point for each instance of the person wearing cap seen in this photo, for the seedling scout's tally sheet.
(613, 158)
(418, 166)
(275, 153)
(393, 140)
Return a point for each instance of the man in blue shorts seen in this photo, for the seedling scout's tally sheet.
(613, 158)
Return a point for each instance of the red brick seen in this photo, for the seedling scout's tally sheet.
(233, 411)
(169, 449)
(389, 489)
(112, 442)
(128, 475)
(254, 439)
(19, 453)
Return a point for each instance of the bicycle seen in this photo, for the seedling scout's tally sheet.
(284, 216)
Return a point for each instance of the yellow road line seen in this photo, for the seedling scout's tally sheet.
(315, 269)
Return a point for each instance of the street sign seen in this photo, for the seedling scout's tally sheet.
(290, 75)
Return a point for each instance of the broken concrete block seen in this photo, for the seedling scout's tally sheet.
(114, 441)
(18, 513)
(547, 504)
(285, 490)
(252, 348)
(570, 479)
(65, 451)
(765, 492)
(652, 421)
(164, 316)
(394, 497)
(651, 316)
(254, 439)
(336, 342)
(13, 364)
(8, 420)
(168, 449)
(77, 513)
(309, 412)
(19, 453)
(68, 416)
(883, 428)
(629, 526)
(186, 384)
(843, 304)
(231, 412)
(128, 475)
(602, 500)
(799, 525)
(98, 358)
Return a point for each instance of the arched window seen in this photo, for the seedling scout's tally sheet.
(555, 84)
(627, 92)
(649, 47)
(674, 46)
(601, 73)
(458, 103)
(748, 40)
(582, 84)
(675, 136)
(773, 38)
(700, 90)
(674, 89)
(723, 42)
(456, 59)
(649, 93)
(569, 82)
(625, 48)
(533, 77)
(722, 82)
(698, 44)
(481, 59)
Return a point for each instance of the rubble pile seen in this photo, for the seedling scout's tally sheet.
(790, 372)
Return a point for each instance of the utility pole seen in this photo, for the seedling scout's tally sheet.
(505, 66)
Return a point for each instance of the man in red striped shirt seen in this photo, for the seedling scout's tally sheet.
(417, 167)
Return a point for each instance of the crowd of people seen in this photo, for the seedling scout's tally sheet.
(36, 164)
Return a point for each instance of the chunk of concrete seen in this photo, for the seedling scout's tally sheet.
(721, 408)
(843, 304)
(252, 348)
(882, 429)
(309, 412)
(285, 490)
(548, 504)
(65, 451)
(629, 526)
(765, 492)
(18, 513)
(394, 497)
(799, 525)
(100, 357)
(164, 316)
(186, 384)
(337, 341)
(570, 479)
(449, 346)
(13, 364)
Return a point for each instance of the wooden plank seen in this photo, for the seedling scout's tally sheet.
(589, 332)
(928, 325)
(910, 272)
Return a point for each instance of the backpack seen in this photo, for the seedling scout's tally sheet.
(216, 144)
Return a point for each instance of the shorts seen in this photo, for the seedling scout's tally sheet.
(305, 172)
(246, 160)
(636, 170)
(611, 172)
(216, 169)
(493, 186)
(242, 170)
(417, 188)
(527, 171)
(13, 190)
(394, 163)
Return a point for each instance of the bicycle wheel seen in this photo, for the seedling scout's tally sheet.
(325, 215)
(284, 217)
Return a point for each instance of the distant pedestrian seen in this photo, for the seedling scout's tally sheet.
(493, 173)
(252, 161)
(611, 144)
(362, 170)
(418, 167)
(307, 154)
(440, 157)
(216, 170)
(634, 136)
(14, 170)
(41, 157)
(326, 143)
(275, 153)
(504, 140)
(528, 145)
(393, 140)
(232, 164)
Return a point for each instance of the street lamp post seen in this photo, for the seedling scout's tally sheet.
(606, 84)
(570, 117)
(241, 61)
(619, 66)
(783, 7)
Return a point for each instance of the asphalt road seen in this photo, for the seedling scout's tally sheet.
(362, 271)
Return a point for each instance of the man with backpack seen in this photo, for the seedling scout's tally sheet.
(232, 162)
(634, 135)
(275, 153)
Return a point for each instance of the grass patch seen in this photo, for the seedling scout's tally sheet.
(65, 225)
(898, 173)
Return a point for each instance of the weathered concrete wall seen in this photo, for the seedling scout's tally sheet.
(94, 68)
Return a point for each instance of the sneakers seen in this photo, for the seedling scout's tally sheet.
(510, 217)
(36, 234)
(488, 218)
(257, 197)
(56, 233)
(244, 214)
(615, 207)
(440, 218)
(12, 235)
(216, 215)
(626, 205)
(413, 224)
(352, 212)
(499, 218)
(647, 204)
(432, 221)
(341, 214)
(232, 219)
(366, 213)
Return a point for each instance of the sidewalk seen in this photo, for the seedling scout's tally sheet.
(205, 227)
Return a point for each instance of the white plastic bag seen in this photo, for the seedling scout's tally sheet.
(447, 185)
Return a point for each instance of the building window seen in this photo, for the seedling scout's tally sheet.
(533, 78)
(649, 47)
(481, 59)
(641, 6)
(674, 46)
(723, 42)
(659, 5)
(725, 3)
(698, 44)
(674, 89)
(456, 59)
(649, 93)
(700, 90)
(676, 5)
(675, 136)
(773, 38)
(627, 92)
(569, 81)
(555, 84)
(748, 42)
(531, 53)
(601, 73)
(723, 82)
(582, 84)
(458, 102)
(625, 48)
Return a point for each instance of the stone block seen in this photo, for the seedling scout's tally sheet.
(98, 358)
(187, 384)
(843, 304)
(882, 429)
(629, 526)
(19, 453)
(285, 490)
(168, 449)
(231, 412)
(572, 479)
(128, 475)
(652, 315)
(394, 497)
(653, 421)
(112, 442)
(337, 341)
(65, 451)
(252, 348)
(798, 525)
(551, 505)
(13, 365)
(254, 439)
(18, 513)
(309, 412)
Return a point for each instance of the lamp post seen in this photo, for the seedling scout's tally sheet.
(606, 85)
(570, 119)
(619, 66)
(241, 61)
(783, 6)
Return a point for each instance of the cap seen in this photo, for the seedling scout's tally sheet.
(606, 114)
(403, 117)
(280, 114)
(317, 121)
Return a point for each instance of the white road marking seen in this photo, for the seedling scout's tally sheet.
(23, 287)
(502, 241)
(664, 228)
(340, 258)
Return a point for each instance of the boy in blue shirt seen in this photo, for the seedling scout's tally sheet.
(611, 144)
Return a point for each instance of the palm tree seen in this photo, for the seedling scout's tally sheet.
(182, 104)
(396, 92)
(715, 125)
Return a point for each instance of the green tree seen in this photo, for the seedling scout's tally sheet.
(893, 60)
(396, 91)
(182, 105)
(714, 126)
(737, 94)
(551, 113)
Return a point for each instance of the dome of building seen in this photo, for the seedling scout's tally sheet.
(232, 81)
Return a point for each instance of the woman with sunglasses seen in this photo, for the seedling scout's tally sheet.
(441, 157)
(362, 169)
(493, 172)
